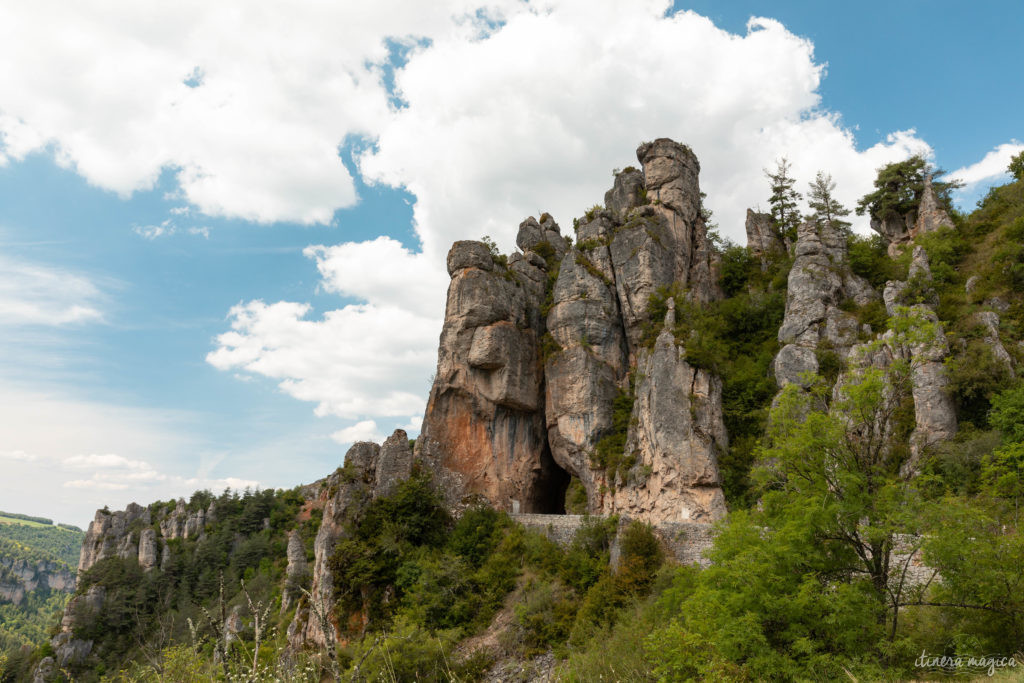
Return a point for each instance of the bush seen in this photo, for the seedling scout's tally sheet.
(1007, 414)
(975, 376)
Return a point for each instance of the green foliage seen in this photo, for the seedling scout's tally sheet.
(899, 187)
(1007, 413)
(1016, 167)
(783, 200)
(825, 207)
(609, 450)
(25, 518)
(736, 267)
(870, 260)
(45, 542)
(575, 498)
(975, 377)
(496, 255)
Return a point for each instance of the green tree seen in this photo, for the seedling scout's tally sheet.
(825, 207)
(784, 198)
(899, 187)
(1016, 167)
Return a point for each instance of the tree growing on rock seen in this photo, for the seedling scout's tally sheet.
(825, 207)
(899, 187)
(783, 200)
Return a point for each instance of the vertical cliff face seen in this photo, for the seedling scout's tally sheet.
(934, 409)
(762, 238)
(370, 471)
(819, 282)
(536, 357)
(483, 431)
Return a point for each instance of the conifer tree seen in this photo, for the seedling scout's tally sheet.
(783, 201)
(826, 208)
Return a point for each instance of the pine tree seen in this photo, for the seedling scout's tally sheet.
(785, 214)
(826, 208)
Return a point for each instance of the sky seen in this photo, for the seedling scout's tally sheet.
(223, 226)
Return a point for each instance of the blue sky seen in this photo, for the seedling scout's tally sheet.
(164, 324)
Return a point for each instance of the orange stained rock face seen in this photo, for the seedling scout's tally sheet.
(467, 447)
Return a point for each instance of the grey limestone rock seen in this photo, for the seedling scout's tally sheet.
(676, 433)
(819, 282)
(931, 216)
(147, 549)
(762, 238)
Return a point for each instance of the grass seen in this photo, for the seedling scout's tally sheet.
(26, 522)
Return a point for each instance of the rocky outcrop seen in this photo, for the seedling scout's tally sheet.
(762, 237)
(819, 282)
(483, 432)
(988, 321)
(675, 436)
(928, 215)
(183, 522)
(113, 534)
(297, 571)
(147, 549)
(923, 346)
(535, 357)
(368, 473)
(20, 576)
(931, 216)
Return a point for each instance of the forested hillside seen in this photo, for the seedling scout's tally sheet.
(37, 565)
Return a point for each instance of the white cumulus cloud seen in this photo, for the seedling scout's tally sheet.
(365, 430)
(245, 101)
(991, 167)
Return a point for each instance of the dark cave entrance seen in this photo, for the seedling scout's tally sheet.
(545, 493)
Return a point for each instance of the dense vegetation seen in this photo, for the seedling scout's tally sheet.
(61, 542)
(35, 541)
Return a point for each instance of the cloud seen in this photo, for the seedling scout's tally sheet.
(17, 455)
(105, 461)
(364, 360)
(535, 116)
(167, 227)
(360, 431)
(245, 101)
(37, 294)
(991, 167)
(98, 454)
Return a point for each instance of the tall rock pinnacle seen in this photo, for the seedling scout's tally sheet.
(543, 360)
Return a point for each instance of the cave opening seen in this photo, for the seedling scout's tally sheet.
(546, 494)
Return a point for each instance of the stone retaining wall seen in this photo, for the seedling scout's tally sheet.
(685, 541)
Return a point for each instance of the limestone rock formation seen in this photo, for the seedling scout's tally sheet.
(929, 216)
(297, 571)
(534, 356)
(368, 473)
(108, 535)
(762, 238)
(483, 432)
(147, 549)
(925, 349)
(22, 576)
(184, 523)
(819, 282)
(989, 322)
(675, 436)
